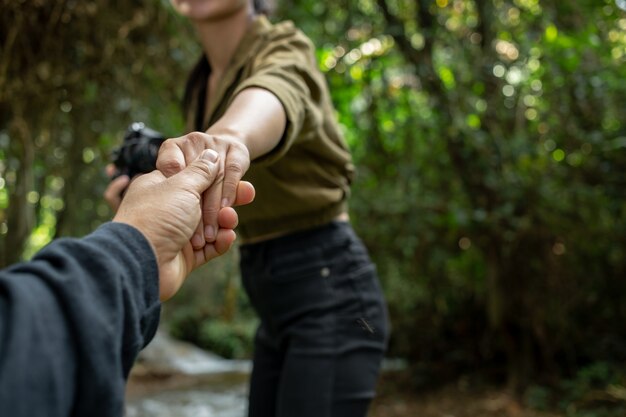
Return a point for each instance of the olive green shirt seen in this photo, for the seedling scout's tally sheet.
(305, 180)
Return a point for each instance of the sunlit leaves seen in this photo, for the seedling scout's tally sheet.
(533, 96)
(473, 121)
(532, 6)
(551, 33)
(447, 77)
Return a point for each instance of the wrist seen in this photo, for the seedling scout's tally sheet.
(135, 224)
(232, 133)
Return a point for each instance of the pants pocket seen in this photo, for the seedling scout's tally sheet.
(360, 303)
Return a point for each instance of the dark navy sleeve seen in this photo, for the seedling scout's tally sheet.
(72, 321)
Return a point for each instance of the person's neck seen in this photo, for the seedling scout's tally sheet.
(220, 38)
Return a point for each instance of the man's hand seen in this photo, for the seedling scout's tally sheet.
(167, 212)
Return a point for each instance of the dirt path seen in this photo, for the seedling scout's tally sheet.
(395, 398)
(454, 400)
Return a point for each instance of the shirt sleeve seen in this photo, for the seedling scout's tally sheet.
(72, 321)
(286, 66)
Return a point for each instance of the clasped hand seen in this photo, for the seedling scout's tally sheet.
(234, 160)
(167, 211)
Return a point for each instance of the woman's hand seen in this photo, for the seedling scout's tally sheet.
(115, 189)
(252, 126)
(234, 160)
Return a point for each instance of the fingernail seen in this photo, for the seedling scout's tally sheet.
(210, 155)
(209, 233)
(197, 241)
(225, 203)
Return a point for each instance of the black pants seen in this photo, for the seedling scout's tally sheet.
(323, 330)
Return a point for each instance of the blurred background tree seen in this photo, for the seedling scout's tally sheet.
(73, 75)
(491, 143)
(490, 140)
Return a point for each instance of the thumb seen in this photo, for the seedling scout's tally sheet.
(200, 174)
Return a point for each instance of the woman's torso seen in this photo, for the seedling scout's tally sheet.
(305, 181)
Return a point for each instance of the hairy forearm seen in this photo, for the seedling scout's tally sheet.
(256, 118)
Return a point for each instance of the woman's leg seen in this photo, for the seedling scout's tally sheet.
(324, 313)
(268, 358)
(337, 329)
(265, 378)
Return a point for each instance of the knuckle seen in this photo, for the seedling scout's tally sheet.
(167, 143)
(234, 167)
(210, 210)
(219, 177)
(199, 169)
(195, 137)
(167, 146)
(169, 165)
(230, 186)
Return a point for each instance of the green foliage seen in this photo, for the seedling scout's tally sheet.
(232, 340)
(538, 397)
(73, 76)
(596, 376)
(488, 137)
(202, 312)
(596, 390)
(212, 312)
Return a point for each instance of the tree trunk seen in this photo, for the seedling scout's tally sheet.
(20, 213)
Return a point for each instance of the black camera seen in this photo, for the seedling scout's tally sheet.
(138, 152)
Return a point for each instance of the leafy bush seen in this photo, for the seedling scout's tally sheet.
(231, 340)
